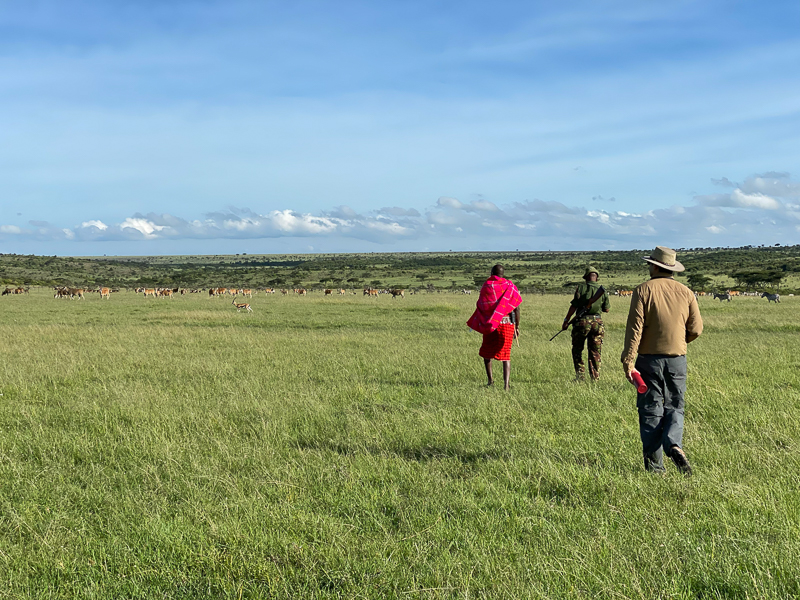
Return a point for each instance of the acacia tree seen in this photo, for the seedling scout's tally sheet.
(759, 278)
(698, 281)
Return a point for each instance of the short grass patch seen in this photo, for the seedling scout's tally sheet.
(347, 448)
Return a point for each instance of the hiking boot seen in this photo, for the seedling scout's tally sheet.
(678, 456)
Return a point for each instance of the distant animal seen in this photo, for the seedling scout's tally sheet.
(397, 293)
(247, 292)
(626, 292)
(149, 292)
(328, 292)
(105, 293)
(371, 292)
(723, 297)
(239, 306)
(776, 298)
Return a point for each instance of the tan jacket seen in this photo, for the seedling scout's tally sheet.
(663, 318)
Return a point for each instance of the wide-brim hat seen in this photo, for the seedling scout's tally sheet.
(665, 258)
(589, 271)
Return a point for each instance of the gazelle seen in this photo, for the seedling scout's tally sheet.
(239, 306)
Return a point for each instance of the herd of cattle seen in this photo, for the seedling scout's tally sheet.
(722, 297)
(73, 293)
(18, 290)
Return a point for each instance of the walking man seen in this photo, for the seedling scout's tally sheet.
(496, 316)
(663, 319)
(589, 329)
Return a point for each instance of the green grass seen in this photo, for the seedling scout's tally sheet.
(346, 448)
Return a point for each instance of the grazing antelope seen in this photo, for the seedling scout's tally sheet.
(342, 292)
(105, 293)
(240, 306)
(149, 292)
(247, 292)
(284, 292)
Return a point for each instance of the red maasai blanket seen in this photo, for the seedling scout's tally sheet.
(497, 344)
(498, 298)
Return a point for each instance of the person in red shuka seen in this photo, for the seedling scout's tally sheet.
(497, 318)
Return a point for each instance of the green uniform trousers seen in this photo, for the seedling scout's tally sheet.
(587, 332)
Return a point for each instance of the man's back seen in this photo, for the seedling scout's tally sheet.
(664, 317)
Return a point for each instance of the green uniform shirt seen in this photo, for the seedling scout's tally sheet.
(585, 292)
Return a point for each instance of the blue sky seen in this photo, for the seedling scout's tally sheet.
(210, 127)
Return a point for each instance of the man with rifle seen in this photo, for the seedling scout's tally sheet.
(587, 327)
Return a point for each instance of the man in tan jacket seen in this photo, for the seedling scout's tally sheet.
(663, 319)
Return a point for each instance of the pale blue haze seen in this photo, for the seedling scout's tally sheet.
(186, 127)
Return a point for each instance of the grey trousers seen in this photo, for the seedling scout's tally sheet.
(661, 406)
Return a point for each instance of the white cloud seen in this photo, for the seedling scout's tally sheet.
(483, 205)
(736, 218)
(447, 202)
(147, 228)
(98, 224)
(755, 200)
(739, 199)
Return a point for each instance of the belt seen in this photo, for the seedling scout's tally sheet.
(595, 317)
(505, 320)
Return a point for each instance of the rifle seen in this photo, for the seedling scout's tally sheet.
(581, 312)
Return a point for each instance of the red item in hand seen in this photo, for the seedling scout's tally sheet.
(641, 386)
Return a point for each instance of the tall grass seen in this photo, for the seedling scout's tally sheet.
(347, 448)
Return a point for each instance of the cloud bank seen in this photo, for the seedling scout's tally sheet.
(762, 209)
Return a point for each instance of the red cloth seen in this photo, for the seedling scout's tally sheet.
(497, 344)
(498, 297)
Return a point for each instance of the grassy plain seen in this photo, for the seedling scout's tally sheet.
(346, 447)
